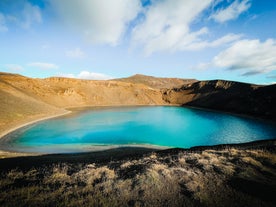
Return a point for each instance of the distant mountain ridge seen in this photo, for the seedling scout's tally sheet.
(24, 99)
(157, 82)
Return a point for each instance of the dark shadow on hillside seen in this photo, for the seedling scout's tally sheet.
(99, 157)
(239, 98)
(118, 154)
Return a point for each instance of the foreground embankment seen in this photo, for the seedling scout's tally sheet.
(225, 175)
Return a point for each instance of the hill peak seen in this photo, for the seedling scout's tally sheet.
(156, 82)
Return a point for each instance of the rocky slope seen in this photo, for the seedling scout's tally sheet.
(24, 99)
(229, 96)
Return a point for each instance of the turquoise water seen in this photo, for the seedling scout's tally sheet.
(161, 126)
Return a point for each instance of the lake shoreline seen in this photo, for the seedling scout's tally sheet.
(74, 110)
(68, 112)
(7, 153)
(127, 152)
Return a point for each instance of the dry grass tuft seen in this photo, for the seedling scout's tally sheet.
(207, 178)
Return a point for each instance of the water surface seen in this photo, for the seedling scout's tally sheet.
(158, 126)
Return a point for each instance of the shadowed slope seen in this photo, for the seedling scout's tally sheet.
(229, 96)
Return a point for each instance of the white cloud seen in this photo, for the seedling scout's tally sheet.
(14, 67)
(41, 65)
(99, 21)
(229, 38)
(160, 26)
(252, 56)
(67, 75)
(166, 27)
(93, 76)
(31, 14)
(3, 26)
(232, 11)
(88, 75)
(75, 53)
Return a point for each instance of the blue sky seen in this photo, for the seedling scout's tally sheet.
(101, 39)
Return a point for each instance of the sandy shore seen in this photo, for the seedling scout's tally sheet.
(69, 110)
(5, 154)
(23, 124)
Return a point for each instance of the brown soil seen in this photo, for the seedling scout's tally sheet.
(26, 99)
(159, 83)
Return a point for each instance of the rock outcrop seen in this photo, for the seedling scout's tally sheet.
(229, 96)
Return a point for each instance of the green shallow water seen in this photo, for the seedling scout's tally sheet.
(158, 126)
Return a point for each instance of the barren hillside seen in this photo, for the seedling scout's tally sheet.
(155, 82)
(25, 99)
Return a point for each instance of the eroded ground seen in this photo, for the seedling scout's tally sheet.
(213, 177)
